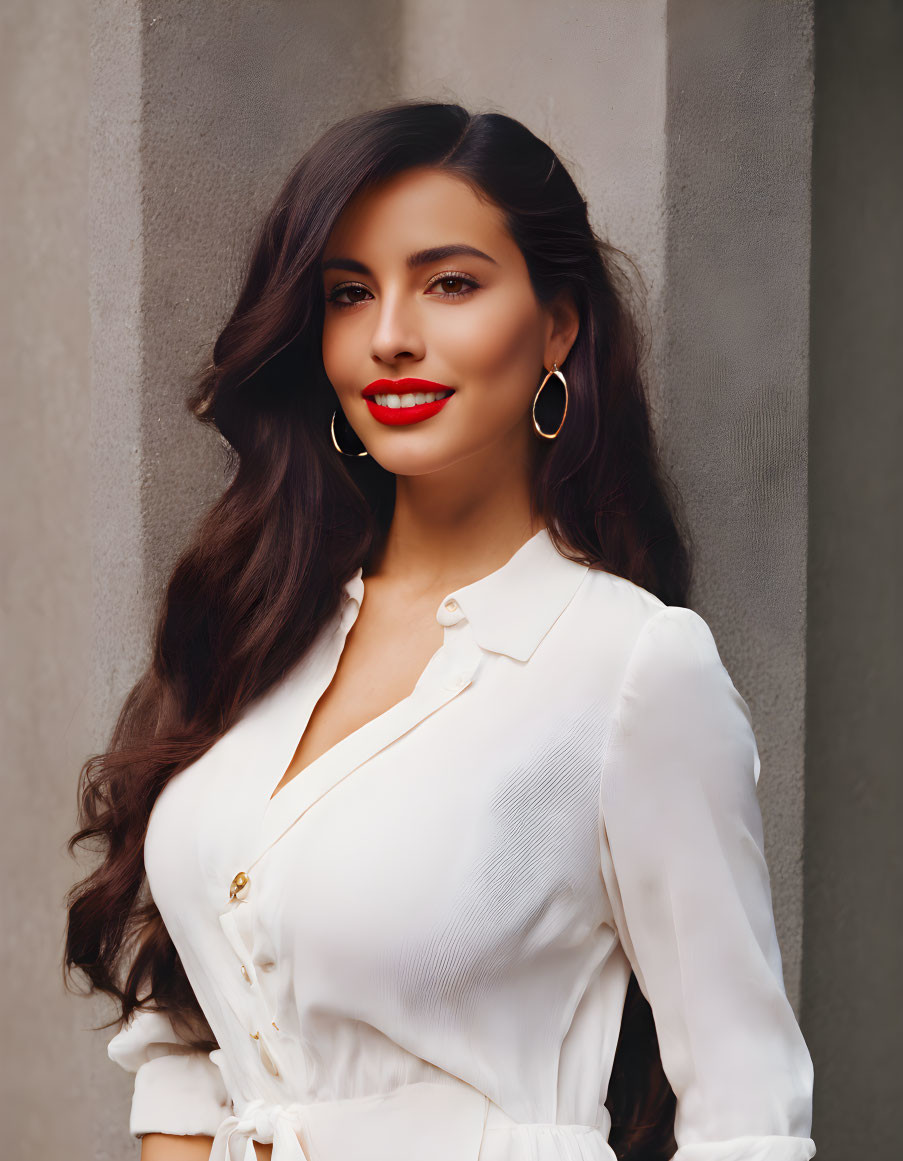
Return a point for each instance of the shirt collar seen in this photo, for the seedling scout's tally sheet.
(511, 609)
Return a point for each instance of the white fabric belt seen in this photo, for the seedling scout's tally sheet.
(442, 1122)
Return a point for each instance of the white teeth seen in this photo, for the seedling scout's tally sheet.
(409, 400)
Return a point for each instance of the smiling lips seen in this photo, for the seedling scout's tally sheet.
(400, 401)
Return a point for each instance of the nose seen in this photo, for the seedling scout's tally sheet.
(396, 333)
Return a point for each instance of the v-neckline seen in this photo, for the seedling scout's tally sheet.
(349, 737)
(320, 670)
(446, 675)
(415, 705)
(327, 659)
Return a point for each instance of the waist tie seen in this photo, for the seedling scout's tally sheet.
(442, 1121)
(267, 1124)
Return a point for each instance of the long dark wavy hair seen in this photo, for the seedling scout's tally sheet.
(267, 564)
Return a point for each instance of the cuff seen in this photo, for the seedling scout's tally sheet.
(178, 1090)
(754, 1148)
(180, 1094)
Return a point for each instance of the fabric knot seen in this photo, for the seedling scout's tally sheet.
(258, 1119)
(268, 1124)
(425, 1119)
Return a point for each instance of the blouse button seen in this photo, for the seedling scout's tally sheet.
(238, 888)
(451, 605)
(244, 972)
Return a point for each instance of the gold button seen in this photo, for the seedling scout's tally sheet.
(254, 1035)
(238, 885)
(244, 972)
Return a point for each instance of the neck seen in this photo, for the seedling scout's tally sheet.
(454, 526)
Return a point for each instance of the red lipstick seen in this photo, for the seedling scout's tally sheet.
(400, 414)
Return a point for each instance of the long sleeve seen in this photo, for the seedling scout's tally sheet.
(178, 1089)
(682, 856)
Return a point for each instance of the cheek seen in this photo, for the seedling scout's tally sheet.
(344, 354)
(498, 349)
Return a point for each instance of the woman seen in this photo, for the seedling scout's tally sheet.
(431, 767)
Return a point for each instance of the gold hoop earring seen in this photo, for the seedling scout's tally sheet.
(536, 427)
(335, 442)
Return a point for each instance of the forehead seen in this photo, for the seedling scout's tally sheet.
(416, 209)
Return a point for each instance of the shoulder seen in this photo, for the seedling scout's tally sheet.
(612, 610)
(637, 630)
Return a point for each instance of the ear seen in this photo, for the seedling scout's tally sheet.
(562, 325)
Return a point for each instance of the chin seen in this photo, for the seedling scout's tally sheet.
(422, 462)
(421, 454)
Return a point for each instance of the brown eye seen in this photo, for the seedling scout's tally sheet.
(469, 284)
(346, 288)
(353, 291)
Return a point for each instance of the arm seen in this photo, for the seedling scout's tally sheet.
(682, 856)
(162, 1147)
(179, 1097)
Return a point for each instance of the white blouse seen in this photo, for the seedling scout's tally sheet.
(429, 958)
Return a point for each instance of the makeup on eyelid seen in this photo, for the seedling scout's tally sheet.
(449, 276)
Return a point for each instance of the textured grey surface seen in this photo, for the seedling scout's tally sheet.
(121, 618)
(50, 1077)
(588, 77)
(694, 156)
(734, 408)
(233, 95)
(693, 152)
(853, 962)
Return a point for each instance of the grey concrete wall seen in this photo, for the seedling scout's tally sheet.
(736, 363)
(190, 147)
(141, 140)
(588, 77)
(233, 95)
(853, 961)
(45, 546)
(687, 126)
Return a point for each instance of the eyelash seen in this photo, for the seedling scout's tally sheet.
(448, 276)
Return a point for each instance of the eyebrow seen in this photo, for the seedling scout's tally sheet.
(419, 258)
